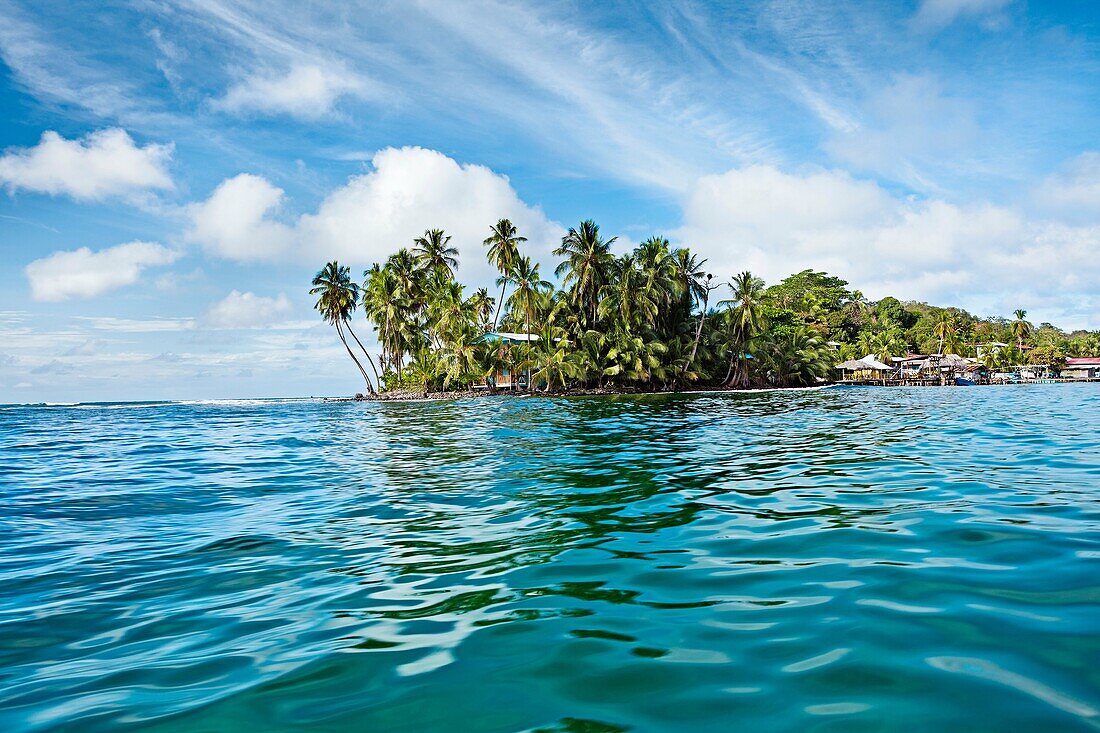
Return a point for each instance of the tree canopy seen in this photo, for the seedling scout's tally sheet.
(651, 318)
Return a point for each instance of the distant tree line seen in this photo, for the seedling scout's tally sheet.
(653, 318)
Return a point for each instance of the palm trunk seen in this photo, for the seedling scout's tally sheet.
(500, 305)
(344, 341)
(729, 371)
(369, 359)
(698, 335)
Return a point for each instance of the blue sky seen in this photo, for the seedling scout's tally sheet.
(173, 173)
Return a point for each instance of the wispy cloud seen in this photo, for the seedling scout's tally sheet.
(605, 100)
(138, 325)
(934, 15)
(248, 310)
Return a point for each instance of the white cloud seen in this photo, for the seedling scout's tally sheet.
(234, 222)
(980, 256)
(911, 127)
(373, 214)
(937, 14)
(306, 91)
(413, 189)
(82, 273)
(103, 164)
(247, 310)
(139, 325)
(1073, 193)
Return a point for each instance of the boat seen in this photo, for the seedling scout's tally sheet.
(964, 382)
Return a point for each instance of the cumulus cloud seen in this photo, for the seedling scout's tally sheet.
(306, 91)
(981, 256)
(235, 222)
(373, 214)
(413, 189)
(101, 165)
(82, 273)
(247, 310)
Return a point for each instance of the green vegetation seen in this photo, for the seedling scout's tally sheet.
(643, 320)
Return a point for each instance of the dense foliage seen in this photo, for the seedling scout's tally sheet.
(649, 319)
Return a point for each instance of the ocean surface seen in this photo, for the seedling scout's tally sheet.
(834, 560)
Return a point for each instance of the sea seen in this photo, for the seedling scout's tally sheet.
(840, 559)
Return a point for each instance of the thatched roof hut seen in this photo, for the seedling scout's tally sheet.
(867, 364)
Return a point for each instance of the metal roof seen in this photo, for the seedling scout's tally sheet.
(507, 337)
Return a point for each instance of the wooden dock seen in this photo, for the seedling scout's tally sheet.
(950, 382)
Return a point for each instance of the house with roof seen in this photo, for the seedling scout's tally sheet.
(1082, 367)
(505, 377)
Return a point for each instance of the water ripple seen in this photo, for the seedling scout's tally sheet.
(907, 559)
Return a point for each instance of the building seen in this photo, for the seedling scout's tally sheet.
(505, 378)
(1082, 367)
(862, 369)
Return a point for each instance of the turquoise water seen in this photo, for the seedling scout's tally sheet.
(844, 559)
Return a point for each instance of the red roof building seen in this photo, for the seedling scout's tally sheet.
(1082, 367)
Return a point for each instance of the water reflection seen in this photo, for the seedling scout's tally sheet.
(857, 558)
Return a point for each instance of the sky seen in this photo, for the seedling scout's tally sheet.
(173, 172)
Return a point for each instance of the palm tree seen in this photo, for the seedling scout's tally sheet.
(481, 306)
(857, 308)
(447, 311)
(886, 344)
(991, 358)
(503, 252)
(433, 253)
(944, 327)
(746, 322)
(691, 276)
(587, 262)
(798, 357)
(660, 281)
(337, 297)
(624, 296)
(528, 296)
(409, 277)
(1021, 329)
(460, 356)
(705, 287)
(632, 358)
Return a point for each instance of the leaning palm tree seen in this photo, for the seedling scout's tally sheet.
(705, 288)
(503, 252)
(433, 252)
(588, 260)
(337, 297)
(1021, 329)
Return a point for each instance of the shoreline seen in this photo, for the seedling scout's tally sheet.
(414, 396)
